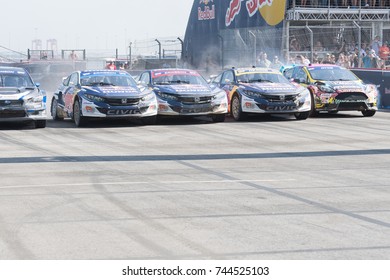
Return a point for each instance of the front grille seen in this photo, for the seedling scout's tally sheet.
(279, 97)
(122, 101)
(11, 103)
(12, 114)
(351, 96)
(352, 106)
(195, 99)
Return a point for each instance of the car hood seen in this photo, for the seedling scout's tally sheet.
(183, 89)
(269, 88)
(112, 91)
(11, 93)
(342, 86)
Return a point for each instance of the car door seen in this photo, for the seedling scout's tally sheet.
(145, 80)
(227, 84)
(70, 92)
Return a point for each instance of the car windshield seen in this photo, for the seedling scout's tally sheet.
(261, 78)
(16, 80)
(108, 80)
(332, 74)
(178, 78)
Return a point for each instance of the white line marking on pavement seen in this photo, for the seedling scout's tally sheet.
(140, 183)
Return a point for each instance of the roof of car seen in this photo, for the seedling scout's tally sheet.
(10, 68)
(100, 71)
(255, 70)
(323, 65)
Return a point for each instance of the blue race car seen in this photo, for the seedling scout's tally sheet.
(184, 92)
(20, 98)
(102, 94)
(262, 91)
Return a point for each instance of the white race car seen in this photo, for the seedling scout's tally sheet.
(21, 99)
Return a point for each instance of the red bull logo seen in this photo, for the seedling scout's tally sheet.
(272, 11)
(233, 10)
(253, 5)
(208, 12)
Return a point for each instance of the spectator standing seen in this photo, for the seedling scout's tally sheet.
(326, 59)
(73, 56)
(263, 61)
(294, 45)
(376, 44)
(276, 63)
(384, 52)
(343, 61)
(111, 66)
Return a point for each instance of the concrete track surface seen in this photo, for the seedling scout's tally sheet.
(268, 188)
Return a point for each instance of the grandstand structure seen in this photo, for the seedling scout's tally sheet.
(234, 32)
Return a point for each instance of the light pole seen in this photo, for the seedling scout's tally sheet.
(159, 49)
(182, 48)
(130, 55)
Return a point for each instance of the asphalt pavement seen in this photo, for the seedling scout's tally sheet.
(268, 188)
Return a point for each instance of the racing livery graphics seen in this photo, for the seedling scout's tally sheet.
(186, 93)
(102, 94)
(334, 88)
(20, 98)
(261, 90)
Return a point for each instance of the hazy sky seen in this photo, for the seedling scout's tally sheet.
(91, 24)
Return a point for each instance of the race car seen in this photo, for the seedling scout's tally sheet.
(262, 90)
(102, 94)
(184, 92)
(334, 88)
(20, 98)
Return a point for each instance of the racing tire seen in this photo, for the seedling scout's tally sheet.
(236, 110)
(78, 118)
(302, 116)
(368, 113)
(313, 113)
(218, 118)
(149, 120)
(54, 111)
(40, 124)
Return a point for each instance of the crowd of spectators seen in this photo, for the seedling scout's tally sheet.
(375, 54)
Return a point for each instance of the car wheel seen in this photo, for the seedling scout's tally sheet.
(78, 118)
(368, 113)
(218, 118)
(302, 116)
(40, 124)
(149, 120)
(236, 109)
(54, 110)
(313, 112)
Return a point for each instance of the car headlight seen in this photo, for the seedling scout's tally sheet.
(93, 98)
(252, 94)
(148, 97)
(325, 88)
(303, 93)
(167, 96)
(33, 101)
(371, 89)
(219, 95)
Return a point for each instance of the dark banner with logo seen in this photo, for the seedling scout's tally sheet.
(211, 19)
(380, 78)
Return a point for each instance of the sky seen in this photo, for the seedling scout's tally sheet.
(92, 24)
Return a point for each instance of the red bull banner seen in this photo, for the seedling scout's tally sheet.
(209, 18)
